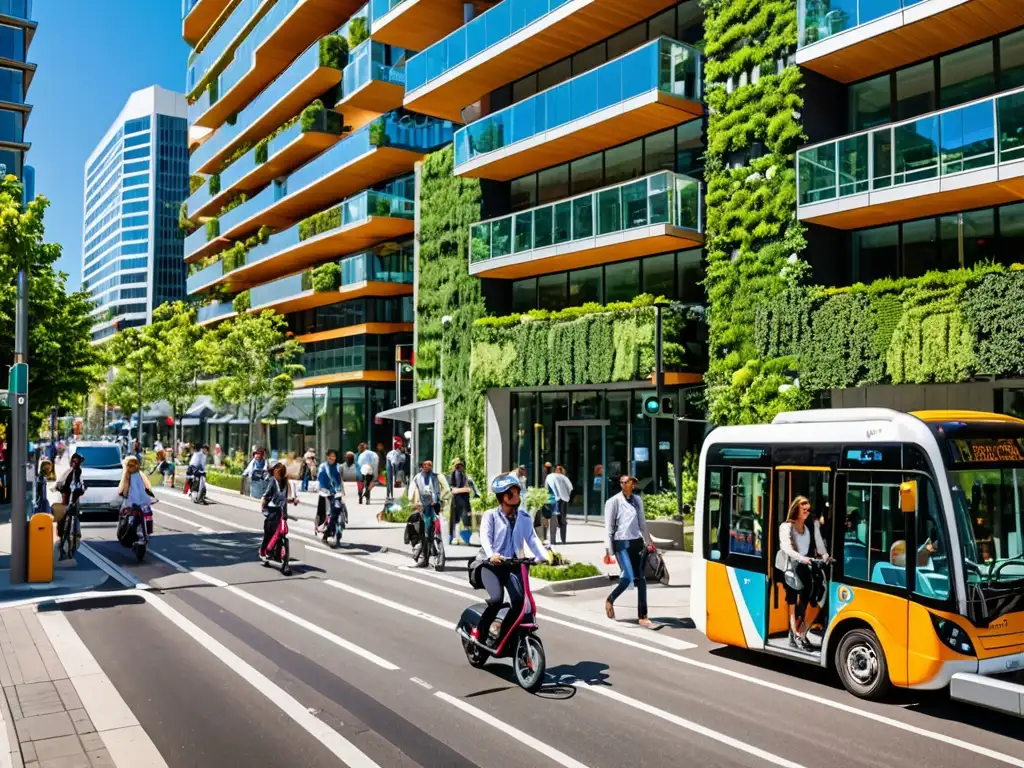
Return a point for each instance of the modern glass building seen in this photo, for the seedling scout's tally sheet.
(16, 33)
(135, 182)
(302, 202)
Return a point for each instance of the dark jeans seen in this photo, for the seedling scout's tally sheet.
(270, 523)
(427, 522)
(561, 517)
(630, 555)
(498, 579)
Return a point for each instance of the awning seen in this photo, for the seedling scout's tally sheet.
(202, 407)
(424, 411)
(190, 422)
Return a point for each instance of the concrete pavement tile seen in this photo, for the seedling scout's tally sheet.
(132, 747)
(71, 761)
(5, 710)
(7, 650)
(91, 741)
(104, 704)
(46, 650)
(31, 664)
(33, 764)
(100, 758)
(68, 694)
(28, 749)
(45, 727)
(12, 702)
(62, 746)
(5, 672)
(81, 720)
(38, 699)
(16, 761)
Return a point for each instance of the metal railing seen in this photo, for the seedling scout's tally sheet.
(821, 19)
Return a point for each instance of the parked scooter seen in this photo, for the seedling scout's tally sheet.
(520, 643)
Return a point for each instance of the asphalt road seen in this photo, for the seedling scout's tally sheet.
(240, 665)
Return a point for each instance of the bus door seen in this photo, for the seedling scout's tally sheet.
(738, 501)
(792, 481)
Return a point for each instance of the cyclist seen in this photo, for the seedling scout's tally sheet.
(70, 485)
(505, 531)
(328, 479)
(429, 490)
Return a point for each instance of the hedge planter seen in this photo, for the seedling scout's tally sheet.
(669, 533)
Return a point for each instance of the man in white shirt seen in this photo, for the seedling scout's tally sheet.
(559, 492)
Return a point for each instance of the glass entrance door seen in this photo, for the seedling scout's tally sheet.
(581, 452)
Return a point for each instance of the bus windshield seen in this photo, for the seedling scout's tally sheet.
(986, 476)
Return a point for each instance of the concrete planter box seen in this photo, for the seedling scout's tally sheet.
(667, 532)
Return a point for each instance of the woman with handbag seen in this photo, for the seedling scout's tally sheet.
(626, 536)
(798, 535)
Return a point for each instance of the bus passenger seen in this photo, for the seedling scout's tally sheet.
(794, 560)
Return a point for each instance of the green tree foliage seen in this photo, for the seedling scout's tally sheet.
(135, 356)
(449, 205)
(751, 232)
(255, 364)
(358, 31)
(63, 365)
(326, 277)
(242, 302)
(333, 51)
(195, 181)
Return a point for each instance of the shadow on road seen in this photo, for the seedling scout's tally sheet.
(938, 704)
(92, 604)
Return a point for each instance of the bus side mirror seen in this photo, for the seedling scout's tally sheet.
(908, 497)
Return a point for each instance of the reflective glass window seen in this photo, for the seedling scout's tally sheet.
(585, 285)
(626, 41)
(551, 292)
(660, 152)
(690, 149)
(11, 125)
(553, 184)
(524, 295)
(584, 61)
(691, 274)
(870, 103)
(12, 86)
(12, 42)
(920, 252)
(622, 281)
(1011, 60)
(967, 75)
(1011, 233)
(587, 173)
(875, 253)
(660, 275)
(915, 91)
(557, 73)
(979, 236)
(624, 163)
(524, 192)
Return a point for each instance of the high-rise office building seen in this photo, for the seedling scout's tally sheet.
(303, 201)
(16, 33)
(135, 182)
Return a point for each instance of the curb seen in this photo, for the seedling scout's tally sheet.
(574, 585)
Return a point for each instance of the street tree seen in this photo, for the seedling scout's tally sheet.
(256, 363)
(135, 355)
(186, 353)
(62, 361)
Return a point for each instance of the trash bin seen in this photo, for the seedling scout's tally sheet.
(40, 548)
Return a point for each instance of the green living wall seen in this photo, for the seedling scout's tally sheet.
(943, 327)
(753, 240)
(448, 207)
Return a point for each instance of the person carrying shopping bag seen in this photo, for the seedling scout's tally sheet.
(626, 537)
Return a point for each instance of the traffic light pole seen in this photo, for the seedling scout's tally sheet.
(18, 467)
(659, 363)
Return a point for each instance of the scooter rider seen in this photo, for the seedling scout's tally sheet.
(328, 479)
(505, 531)
(428, 490)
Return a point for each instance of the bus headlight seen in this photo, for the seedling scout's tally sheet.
(953, 635)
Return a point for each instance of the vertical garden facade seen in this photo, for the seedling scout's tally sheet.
(302, 202)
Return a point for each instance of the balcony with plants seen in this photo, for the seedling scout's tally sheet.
(508, 41)
(214, 50)
(416, 24)
(656, 214)
(849, 40)
(960, 158)
(653, 87)
(312, 74)
(214, 312)
(289, 146)
(197, 16)
(371, 86)
(278, 38)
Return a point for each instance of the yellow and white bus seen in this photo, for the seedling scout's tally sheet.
(923, 516)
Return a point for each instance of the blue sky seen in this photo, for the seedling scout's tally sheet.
(91, 55)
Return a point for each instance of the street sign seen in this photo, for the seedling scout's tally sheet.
(17, 380)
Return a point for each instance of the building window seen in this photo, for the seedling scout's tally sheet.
(585, 286)
(524, 295)
(870, 103)
(551, 291)
(660, 275)
(1011, 60)
(622, 281)
(915, 91)
(12, 85)
(967, 75)
(12, 42)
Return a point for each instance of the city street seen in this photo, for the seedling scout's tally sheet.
(353, 661)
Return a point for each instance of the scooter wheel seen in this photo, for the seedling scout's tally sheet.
(475, 655)
(140, 552)
(529, 662)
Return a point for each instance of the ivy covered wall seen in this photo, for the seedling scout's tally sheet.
(448, 206)
(753, 240)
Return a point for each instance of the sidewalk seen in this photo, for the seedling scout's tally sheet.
(78, 575)
(46, 723)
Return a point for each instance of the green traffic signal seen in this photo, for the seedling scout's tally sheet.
(651, 405)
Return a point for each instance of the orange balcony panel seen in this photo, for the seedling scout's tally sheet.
(914, 201)
(198, 21)
(380, 329)
(572, 27)
(309, 20)
(313, 85)
(300, 302)
(370, 168)
(639, 116)
(918, 32)
(648, 241)
(351, 377)
(374, 99)
(418, 24)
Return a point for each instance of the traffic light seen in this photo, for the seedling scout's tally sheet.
(654, 408)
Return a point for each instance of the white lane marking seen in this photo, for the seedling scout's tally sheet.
(688, 725)
(100, 699)
(176, 566)
(287, 615)
(158, 513)
(390, 604)
(523, 738)
(847, 708)
(422, 683)
(110, 568)
(338, 745)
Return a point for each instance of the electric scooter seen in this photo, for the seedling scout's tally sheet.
(278, 550)
(197, 486)
(70, 528)
(133, 520)
(337, 518)
(521, 643)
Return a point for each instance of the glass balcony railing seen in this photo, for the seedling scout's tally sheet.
(488, 29)
(186, 6)
(196, 240)
(661, 198)
(214, 310)
(270, 194)
(203, 277)
(980, 134)
(380, 8)
(199, 198)
(245, 54)
(200, 63)
(366, 63)
(663, 64)
(226, 133)
(278, 290)
(201, 104)
(819, 19)
(373, 267)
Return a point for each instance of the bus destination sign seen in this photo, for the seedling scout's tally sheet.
(987, 451)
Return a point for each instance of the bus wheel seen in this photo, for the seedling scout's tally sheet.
(861, 664)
